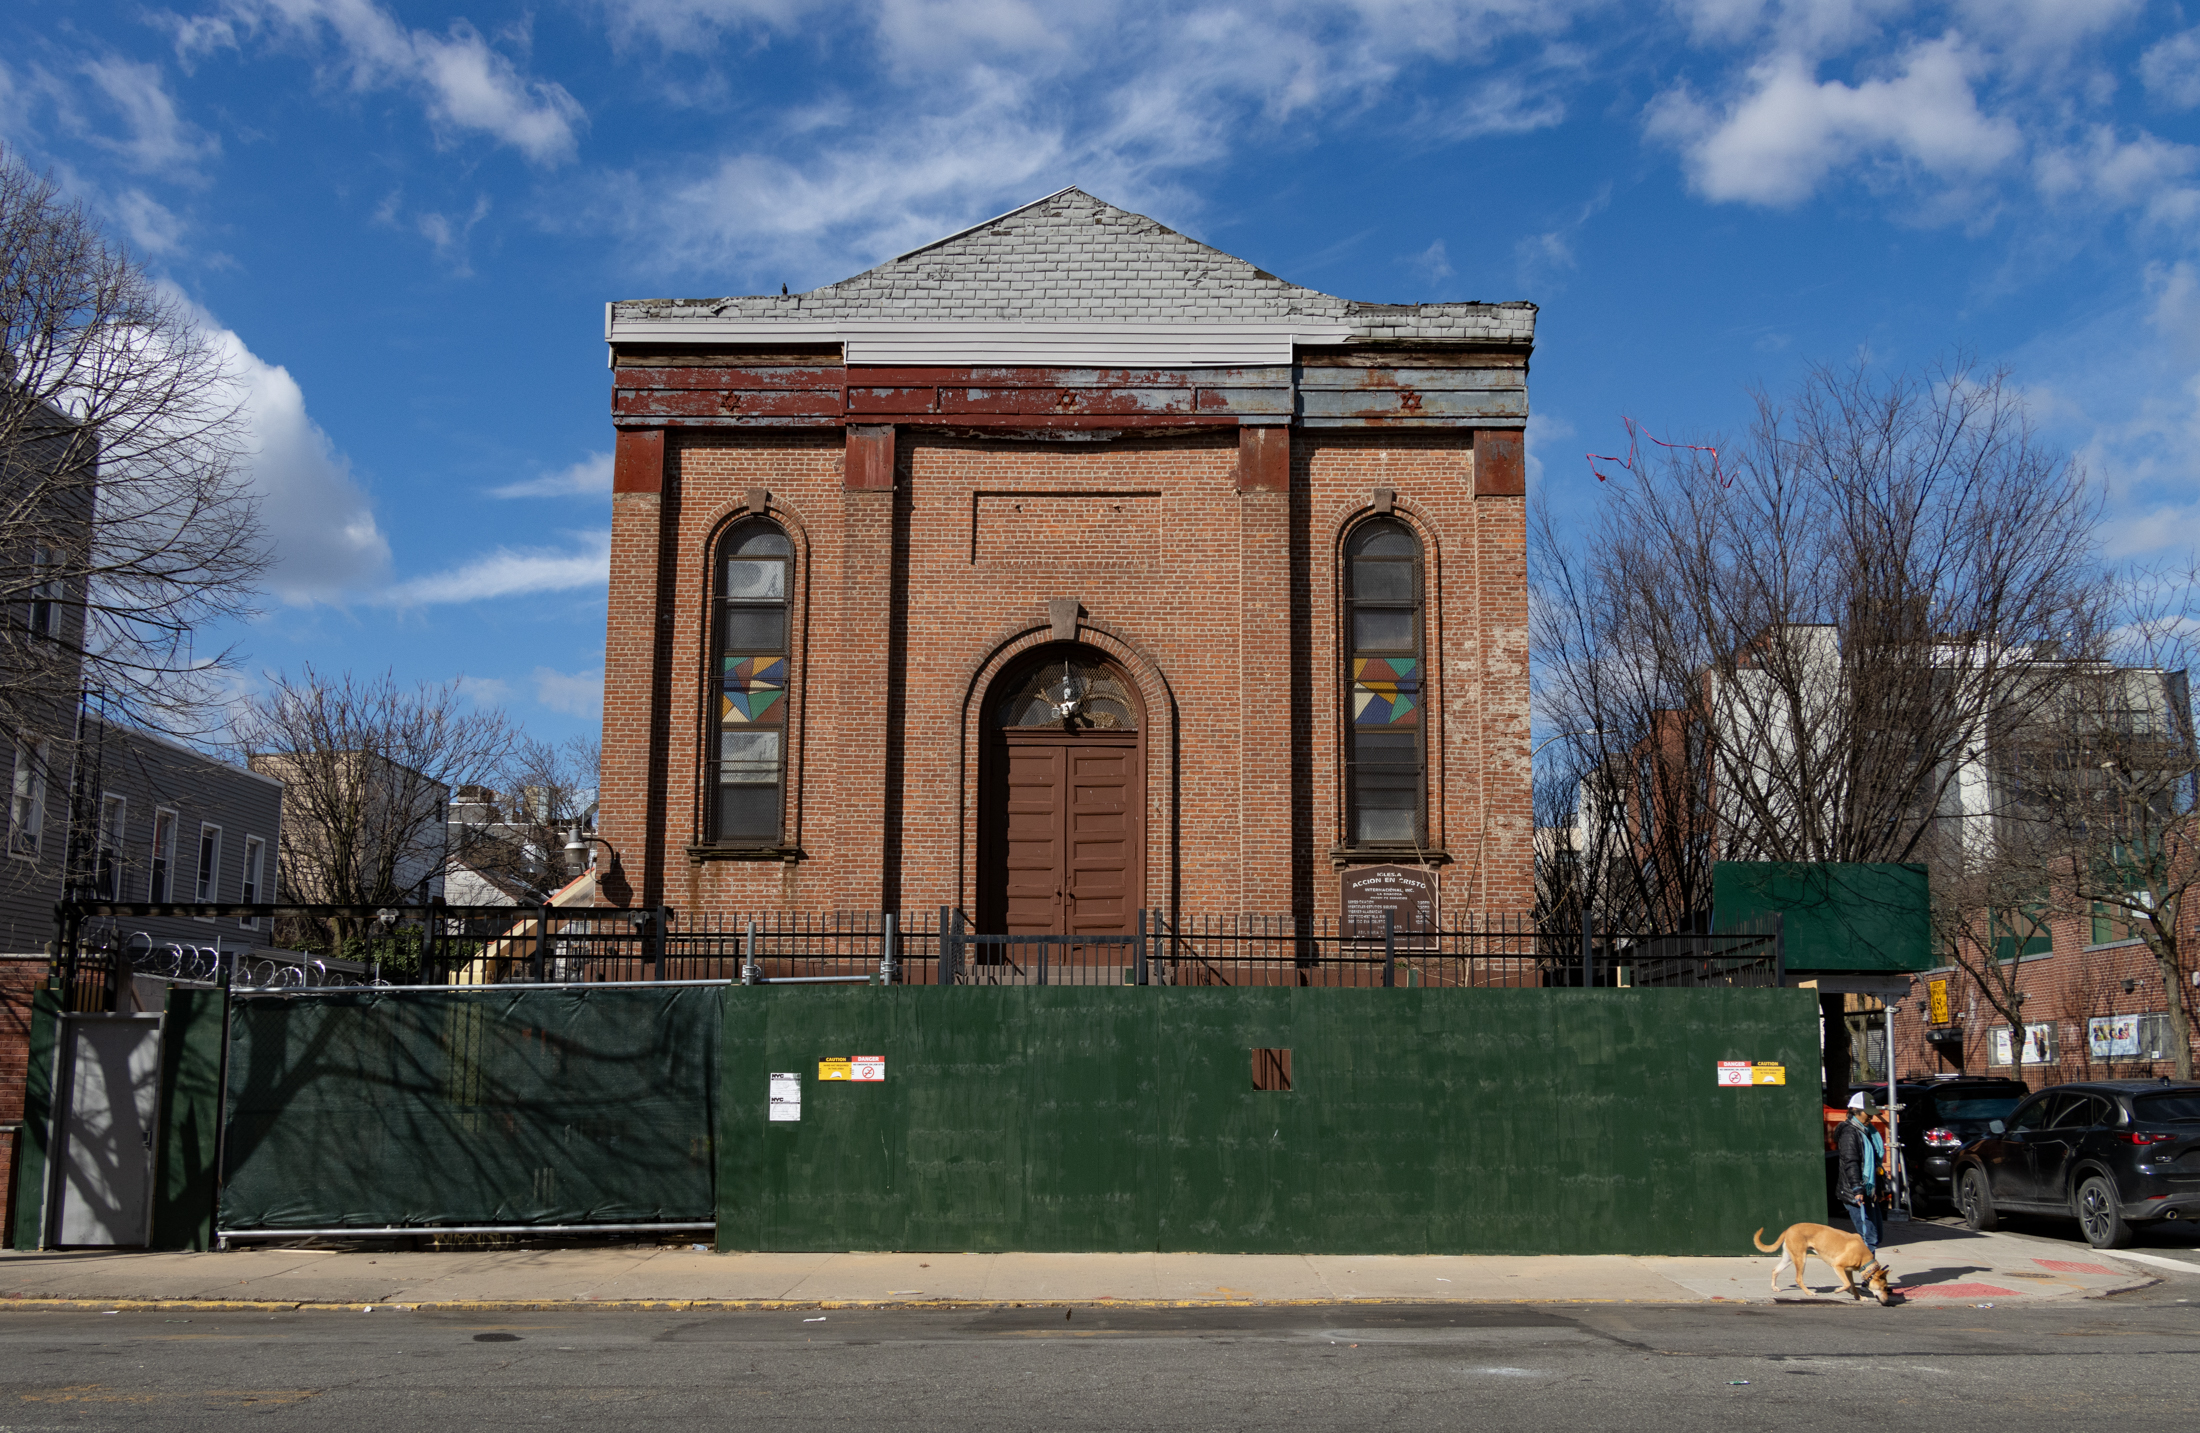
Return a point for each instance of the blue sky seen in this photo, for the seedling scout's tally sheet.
(407, 218)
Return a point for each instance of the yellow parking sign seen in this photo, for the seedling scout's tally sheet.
(1936, 997)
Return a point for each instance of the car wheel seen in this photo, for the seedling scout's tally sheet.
(1976, 1199)
(2099, 1215)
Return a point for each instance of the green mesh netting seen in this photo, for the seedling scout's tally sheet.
(504, 1105)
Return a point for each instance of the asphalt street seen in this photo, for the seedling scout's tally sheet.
(2131, 1363)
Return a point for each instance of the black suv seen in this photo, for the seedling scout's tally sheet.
(1940, 1116)
(2113, 1154)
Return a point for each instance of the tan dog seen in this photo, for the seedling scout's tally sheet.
(1838, 1249)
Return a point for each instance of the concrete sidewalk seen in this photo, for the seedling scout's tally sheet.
(1933, 1263)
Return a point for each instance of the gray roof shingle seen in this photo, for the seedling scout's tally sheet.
(1070, 256)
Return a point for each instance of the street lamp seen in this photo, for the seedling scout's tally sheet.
(576, 849)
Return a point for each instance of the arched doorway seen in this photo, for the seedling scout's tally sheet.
(1062, 836)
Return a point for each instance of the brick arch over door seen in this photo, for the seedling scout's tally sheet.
(1162, 864)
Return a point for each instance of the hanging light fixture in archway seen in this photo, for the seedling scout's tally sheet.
(1067, 694)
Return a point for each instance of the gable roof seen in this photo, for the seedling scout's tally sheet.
(1072, 263)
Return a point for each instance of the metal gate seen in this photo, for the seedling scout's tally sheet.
(110, 1107)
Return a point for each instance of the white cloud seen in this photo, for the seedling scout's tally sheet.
(465, 85)
(449, 236)
(576, 694)
(2171, 70)
(509, 572)
(590, 477)
(1779, 141)
(694, 26)
(1432, 263)
(156, 138)
(2140, 173)
(997, 101)
(152, 226)
(320, 525)
(1540, 259)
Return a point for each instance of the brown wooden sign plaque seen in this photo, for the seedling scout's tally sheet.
(1407, 892)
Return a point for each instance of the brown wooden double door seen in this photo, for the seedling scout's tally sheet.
(1063, 838)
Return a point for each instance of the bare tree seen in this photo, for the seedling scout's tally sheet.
(1800, 647)
(1817, 628)
(2107, 781)
(546, 791)
(127, 525)
(1993, 905)
(368, 768)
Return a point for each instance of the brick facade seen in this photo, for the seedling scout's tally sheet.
(1221, 605)
(2066, 987)
(19, 975)
(1199, 538)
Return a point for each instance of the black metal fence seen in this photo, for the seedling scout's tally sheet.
(438, 944)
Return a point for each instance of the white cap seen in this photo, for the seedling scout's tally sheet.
(1861, 1100)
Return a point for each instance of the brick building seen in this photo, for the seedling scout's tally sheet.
(2094, 1009)
(1060, 568)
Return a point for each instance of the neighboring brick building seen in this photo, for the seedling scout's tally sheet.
(2094, 1005)
(1273, 539)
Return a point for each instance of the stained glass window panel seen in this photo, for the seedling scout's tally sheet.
(764, 581)
(1383, 629)
(751, 629)
(1382, 581)
(1386, 691)
(1387, 787)
(748, 757)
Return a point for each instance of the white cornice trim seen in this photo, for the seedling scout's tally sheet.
(959, 344)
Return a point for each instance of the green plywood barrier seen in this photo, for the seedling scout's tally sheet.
(189, 1138)
(1420, 1121)
(31, 1169)
(489, 1105)
(1833, 916)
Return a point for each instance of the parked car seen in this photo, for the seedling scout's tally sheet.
(2113, 1154)
(1939, 1116)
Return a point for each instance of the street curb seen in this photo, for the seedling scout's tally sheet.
(67, 1305)
(753, 1305)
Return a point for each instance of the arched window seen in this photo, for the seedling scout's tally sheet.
(749, 694)
(1383, 691)
(1065, 694)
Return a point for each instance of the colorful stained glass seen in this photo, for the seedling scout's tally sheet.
(756, 671)
(755, 691)
(1386, 691)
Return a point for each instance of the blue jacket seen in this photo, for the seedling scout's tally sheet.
(1858, 1151)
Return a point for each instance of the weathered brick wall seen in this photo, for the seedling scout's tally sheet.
(17, 977)
(1222, 605)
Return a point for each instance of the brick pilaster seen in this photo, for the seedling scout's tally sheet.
(1265, 776)
(637, 675)
(864, 722)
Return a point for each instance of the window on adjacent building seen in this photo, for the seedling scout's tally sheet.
(1383, 686)
(46, 591)
(163, 861)
(210, 867)
(2021, 933)
(113, 812)
(749, 693)
(27, 800)
(255, 852)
